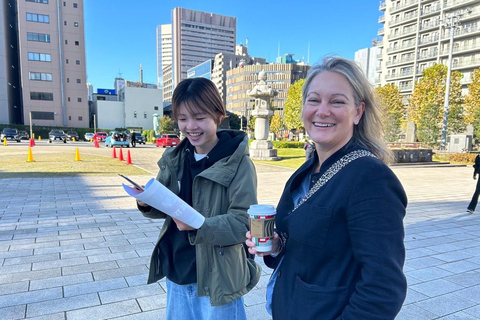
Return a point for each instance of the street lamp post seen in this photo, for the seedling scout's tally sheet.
(452, 22)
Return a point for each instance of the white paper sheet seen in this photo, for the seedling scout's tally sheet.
(160, 197)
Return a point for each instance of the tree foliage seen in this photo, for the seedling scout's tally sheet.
(166, 125)
(472, 103)
(276, 123)
(293, 106)
(394, 110)
(234, 121)
(429, 96)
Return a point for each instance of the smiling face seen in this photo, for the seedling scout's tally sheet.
(330, 113)
(199, 127)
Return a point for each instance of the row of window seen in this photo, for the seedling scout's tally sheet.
(42, 18)
(38, 1)
(144, 114)
(40, 37)
(42, 76)
(35, 56)
(42, 115)
(47, 96)
(75, 24)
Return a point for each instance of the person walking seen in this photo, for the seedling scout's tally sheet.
(338, 250)
(133, 139)
(207, 269)
(476, 170)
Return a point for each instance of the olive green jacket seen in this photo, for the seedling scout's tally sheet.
(222, 193)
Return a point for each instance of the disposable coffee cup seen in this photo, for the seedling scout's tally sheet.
(262, 220)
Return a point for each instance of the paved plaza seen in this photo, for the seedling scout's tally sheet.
(77, 248)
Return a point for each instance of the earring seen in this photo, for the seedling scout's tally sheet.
(355, 122)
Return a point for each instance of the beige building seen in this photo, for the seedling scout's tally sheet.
(196, 37)
(51, 55)
(279, 76)
(415, 38)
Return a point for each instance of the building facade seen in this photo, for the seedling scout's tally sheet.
(48, 42)
(415, 36)
(196, 37)
(368, 61)
(164, 50)
(242, 79)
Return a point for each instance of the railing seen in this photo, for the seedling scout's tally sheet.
(460, 64)
(428, 56)
(452, 3)
(404, 32)
(405, 46)
(433, 24)
(428, 40)
(460, 48)
(461, 31)
(405, 18)
(381, 19)
(403, 5)
(383, 6)
(389, 63)
(399, 75)
(430, 10)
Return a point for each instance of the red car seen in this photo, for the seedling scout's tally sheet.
(100, 136)
(168, 140)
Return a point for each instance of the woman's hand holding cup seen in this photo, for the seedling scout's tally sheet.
(252, 247)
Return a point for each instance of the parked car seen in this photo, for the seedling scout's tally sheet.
(100, 136)
(9, 134)
(88, 136)
(57, 135)
(117, 138)
(168, 140)
(140, 139)
(23, 135)
(72, 134)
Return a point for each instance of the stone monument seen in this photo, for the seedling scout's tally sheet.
(261, 148)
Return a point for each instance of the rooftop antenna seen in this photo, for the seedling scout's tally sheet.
(246, 43)
(308, 54)
(119, 74)
(141, 74)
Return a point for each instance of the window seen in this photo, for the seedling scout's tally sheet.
(69, 117)
(75, 5)
(80, 118)
(66, 41)
(40, 37)
(77, 43)
(47, 96)
(68, 99)
(79, 99)
(35, 56)
(68, 80)
(38, 1)
(38, 18)
(77, 61)
(144, 115)
(79, 81)
(75, 24)
(40, 76)
(135, 114)
(64, 4)
(66, 61)
(64, 23)
(155, 108)
(38, 115)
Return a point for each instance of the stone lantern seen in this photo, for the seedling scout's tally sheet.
(261, 148)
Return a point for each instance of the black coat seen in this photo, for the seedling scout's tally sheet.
(344, 254)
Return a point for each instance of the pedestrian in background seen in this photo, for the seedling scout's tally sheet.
(309, 149)
(338, 250)
(476, 170)
(207, 269)
(133, 139)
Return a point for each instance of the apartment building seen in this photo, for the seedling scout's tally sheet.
(416, 35)
(47, 40)
(164, 50)
(196, 37)
(242, 79)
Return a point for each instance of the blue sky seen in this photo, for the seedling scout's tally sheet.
(120, 35)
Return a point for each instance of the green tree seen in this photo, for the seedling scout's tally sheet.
(472, 103)
(394, 110)
(293, 106)
(166, 125)
(429, 92)
(251, 123)
(276, 123)
(429, 125)
(234, 121)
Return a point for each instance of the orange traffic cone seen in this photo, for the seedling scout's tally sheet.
(32, 143)
(120, 156)
(129, 159)
(77, 156)
(30, 155)
(114, 153)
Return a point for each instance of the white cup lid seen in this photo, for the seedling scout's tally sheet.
(262, 210)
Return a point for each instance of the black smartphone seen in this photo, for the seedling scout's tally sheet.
(135, 185)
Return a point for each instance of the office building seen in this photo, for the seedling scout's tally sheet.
(203, 70)
(368, 61)
(196, 37)
(416, 36)
(164, 50)
(45, 49)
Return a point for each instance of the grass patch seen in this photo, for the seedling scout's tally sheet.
(290, 158)
(56, 164)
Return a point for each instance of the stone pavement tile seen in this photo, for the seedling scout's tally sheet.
(149, 315)
(53, 316)
(462, 236)
(31, 259)
(137, 280)
(424, 262)
(474, 251)
(120, 272)
(84, 253)
(459, 266)
(34, 245)
(58, 238)
(414, 296)
(60, 249)
(258, 312)
(145, 252)
(470, 293)
(112, 256)
(458, 316)
(59, 263)
(420, 252)
(132, 247)
(134, 262)
(106, 311)
(452, 256)
(15, 312)
(436, 287)
(13, 254)
(63, 304)
(475, 260)
(60, 281)
(428, 274)
(414, 312)
(445, 305)
(101, 243)
(93, 287)
(29, 297)
(149, 303)
(94, 234)
(475, 311)
(15, 268)
(466, 279)
(130, 293)
(82, 241)
(89, 267)
(16, 287)
(29, 275)
(255, 296)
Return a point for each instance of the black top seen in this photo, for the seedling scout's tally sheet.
(179, 254)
